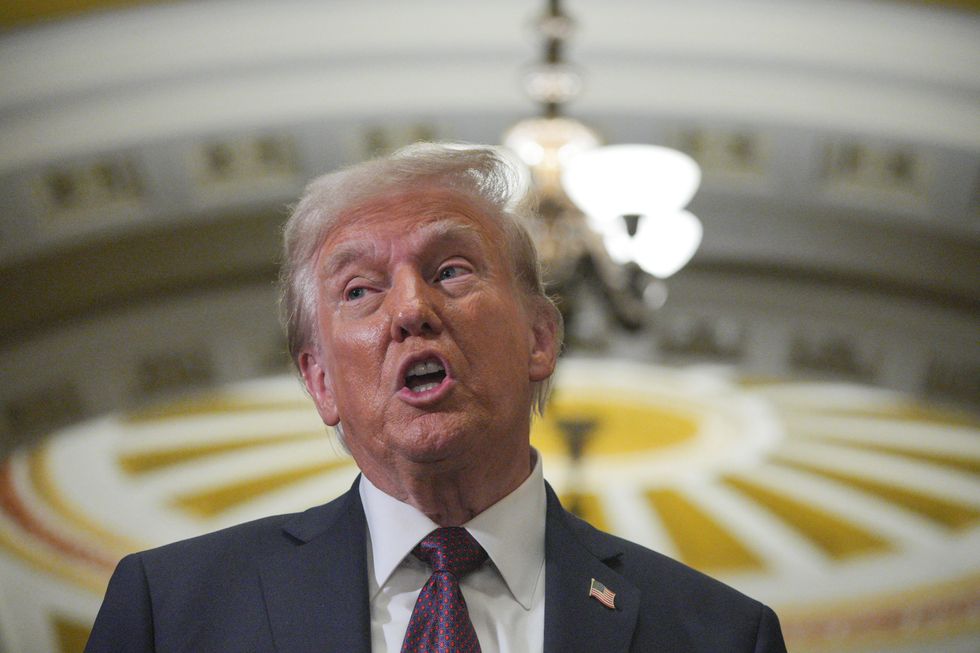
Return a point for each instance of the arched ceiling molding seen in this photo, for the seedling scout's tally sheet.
(167, 41)
(24, 13)
(156, 85)
(117, 79)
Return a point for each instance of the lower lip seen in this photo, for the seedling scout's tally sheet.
(426, 397)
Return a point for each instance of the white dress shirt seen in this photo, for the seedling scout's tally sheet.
(505, 596)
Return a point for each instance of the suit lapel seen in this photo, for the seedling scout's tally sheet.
(574, 621)
(316, 589)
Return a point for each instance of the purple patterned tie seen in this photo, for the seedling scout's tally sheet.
(440, 622)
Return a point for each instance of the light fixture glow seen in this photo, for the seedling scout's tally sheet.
(663, 244)
(545, 144)
(632, 196)
(616, 180)
(550, 141)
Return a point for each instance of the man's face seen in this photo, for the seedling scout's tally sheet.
(426, 347)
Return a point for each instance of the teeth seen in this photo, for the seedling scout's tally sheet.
(428, 367)
(414, 380)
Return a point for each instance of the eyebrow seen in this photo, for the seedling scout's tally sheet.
(451, 230)
(431, 233)
(343, 255)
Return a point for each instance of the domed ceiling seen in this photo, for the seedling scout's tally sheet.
(149, 155)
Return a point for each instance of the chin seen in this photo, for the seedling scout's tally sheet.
(434, 440)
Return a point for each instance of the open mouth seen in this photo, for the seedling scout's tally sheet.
(425, 375)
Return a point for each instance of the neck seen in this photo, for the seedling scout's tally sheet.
(453, 496)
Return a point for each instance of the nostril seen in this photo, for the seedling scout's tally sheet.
(414, 318)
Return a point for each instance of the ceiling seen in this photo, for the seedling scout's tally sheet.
(150, 152)
(19, 13)
(811, 119)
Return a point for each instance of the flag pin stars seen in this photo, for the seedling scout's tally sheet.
(602, 594)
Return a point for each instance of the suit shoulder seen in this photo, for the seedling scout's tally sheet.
(252, 534)
(655, 572)
(679, 608)
(245, 541)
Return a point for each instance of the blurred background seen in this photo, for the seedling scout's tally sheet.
(794, 411)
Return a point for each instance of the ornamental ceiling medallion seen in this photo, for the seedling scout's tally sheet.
(854, 511)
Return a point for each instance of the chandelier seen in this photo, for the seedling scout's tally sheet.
(609, 215)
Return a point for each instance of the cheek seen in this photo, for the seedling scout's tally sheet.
(362, 338)
(357, 358)
(500, 341)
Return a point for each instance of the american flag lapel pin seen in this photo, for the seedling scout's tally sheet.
(602, 594)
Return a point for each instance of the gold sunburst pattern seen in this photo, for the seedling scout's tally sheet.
(854, 511)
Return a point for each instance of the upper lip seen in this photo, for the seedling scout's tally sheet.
(419, 357)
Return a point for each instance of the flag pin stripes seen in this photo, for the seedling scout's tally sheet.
(602, 594)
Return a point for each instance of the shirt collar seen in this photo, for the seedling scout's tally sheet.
(511, 531)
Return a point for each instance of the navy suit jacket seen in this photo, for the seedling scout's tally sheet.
(298, 584)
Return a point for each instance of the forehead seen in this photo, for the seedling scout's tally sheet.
(431, 212)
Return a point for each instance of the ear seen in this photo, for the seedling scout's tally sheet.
(318, 385)
(544, 343)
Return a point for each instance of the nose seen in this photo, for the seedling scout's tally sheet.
(412, 307)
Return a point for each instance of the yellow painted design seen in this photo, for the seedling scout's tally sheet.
(949, 513)
(41, 558)
(624, 423)
(208, 503)
(45, 487)
(962, 463)
(908, 413)
(701, 541)
(71, 635)
(149, 461)
(211, 404)
(920, 413)
(758, 381)
(904, 412)
(968, 584)
(880, 621)
(837, 537)
(586, 506)
(21, 12)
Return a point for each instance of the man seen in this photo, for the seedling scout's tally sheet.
(416, 316)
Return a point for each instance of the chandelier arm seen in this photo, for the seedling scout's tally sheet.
(620, 286)
(618, 186)
(554, 26)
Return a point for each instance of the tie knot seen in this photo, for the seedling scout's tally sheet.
(450, 549)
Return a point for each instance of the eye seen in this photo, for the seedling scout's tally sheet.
(448, 272)
(451, 272)
(355, 293)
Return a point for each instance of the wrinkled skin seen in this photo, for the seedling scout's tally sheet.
(425, 275)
